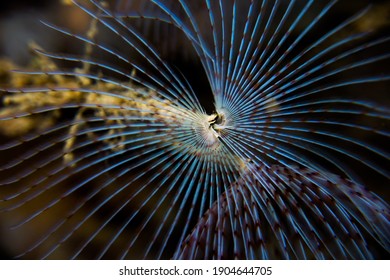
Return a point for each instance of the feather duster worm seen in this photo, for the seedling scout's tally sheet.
(267, 162)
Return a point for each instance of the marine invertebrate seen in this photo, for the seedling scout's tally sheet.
(269, 172)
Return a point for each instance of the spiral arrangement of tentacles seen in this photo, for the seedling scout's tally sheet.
(136, 165)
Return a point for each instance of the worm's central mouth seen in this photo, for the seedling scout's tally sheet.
(216, 122)
(217, 119)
